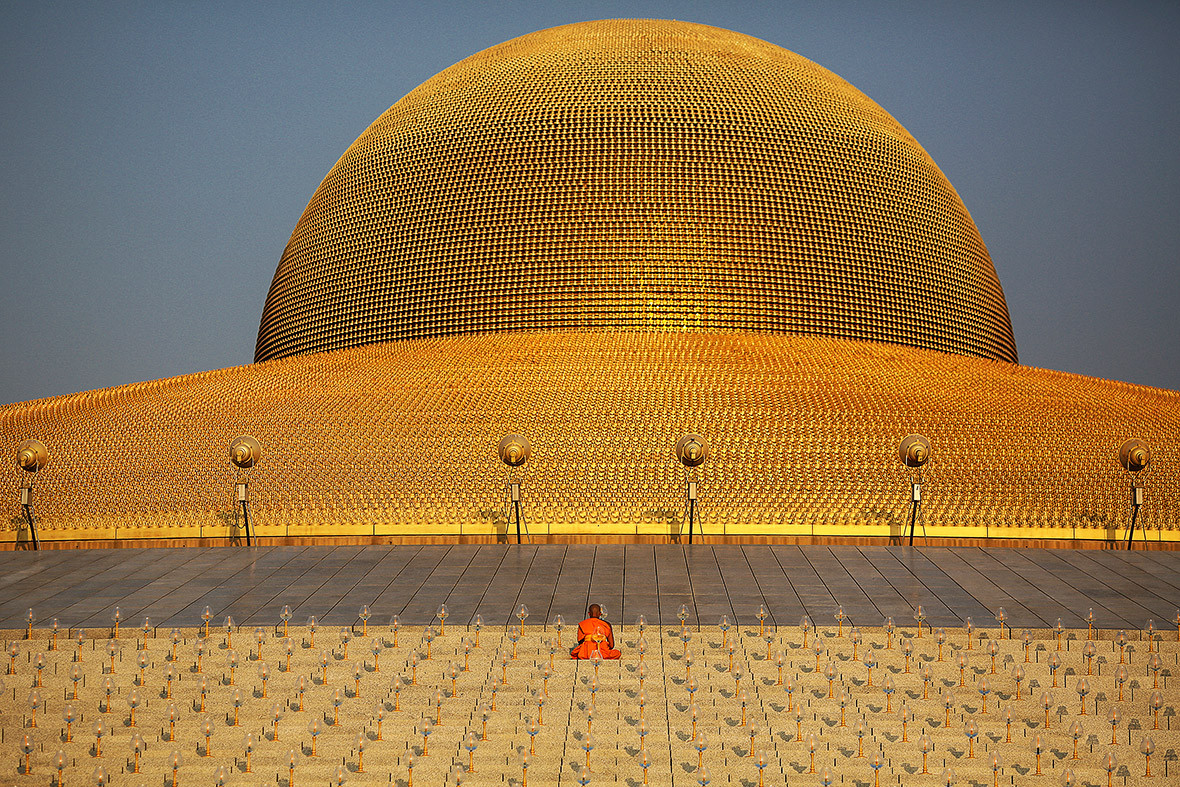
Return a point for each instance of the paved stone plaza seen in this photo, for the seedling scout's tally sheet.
(82, 587)
(367, 687)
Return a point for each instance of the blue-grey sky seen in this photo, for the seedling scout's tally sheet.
(157, 155)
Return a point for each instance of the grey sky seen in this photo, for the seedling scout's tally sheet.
(156, 157)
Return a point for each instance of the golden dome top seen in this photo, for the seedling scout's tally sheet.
(636, 175)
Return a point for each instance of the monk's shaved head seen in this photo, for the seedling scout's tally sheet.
(595, 611)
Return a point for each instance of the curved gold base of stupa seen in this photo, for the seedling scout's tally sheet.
(398, 441)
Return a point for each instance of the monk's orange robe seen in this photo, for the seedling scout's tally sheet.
(594, 634)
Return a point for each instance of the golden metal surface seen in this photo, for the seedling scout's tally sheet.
(636, 175)
(245, 451)
(692, 450)
(1134, 455)
(32, 455)
(804, 435)
(914, 450)
(514, 450)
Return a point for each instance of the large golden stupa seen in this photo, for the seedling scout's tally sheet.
(603, 236)
(636, 175)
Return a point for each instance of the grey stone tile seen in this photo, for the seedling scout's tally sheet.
(172, 586)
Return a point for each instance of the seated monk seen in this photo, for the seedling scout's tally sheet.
(595, 634)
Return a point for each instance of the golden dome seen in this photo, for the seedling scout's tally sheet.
(636, 175)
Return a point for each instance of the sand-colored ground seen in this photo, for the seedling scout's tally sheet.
(643, 693)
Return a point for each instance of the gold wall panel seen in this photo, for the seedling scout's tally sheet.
(400, 438)
(636, 175)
